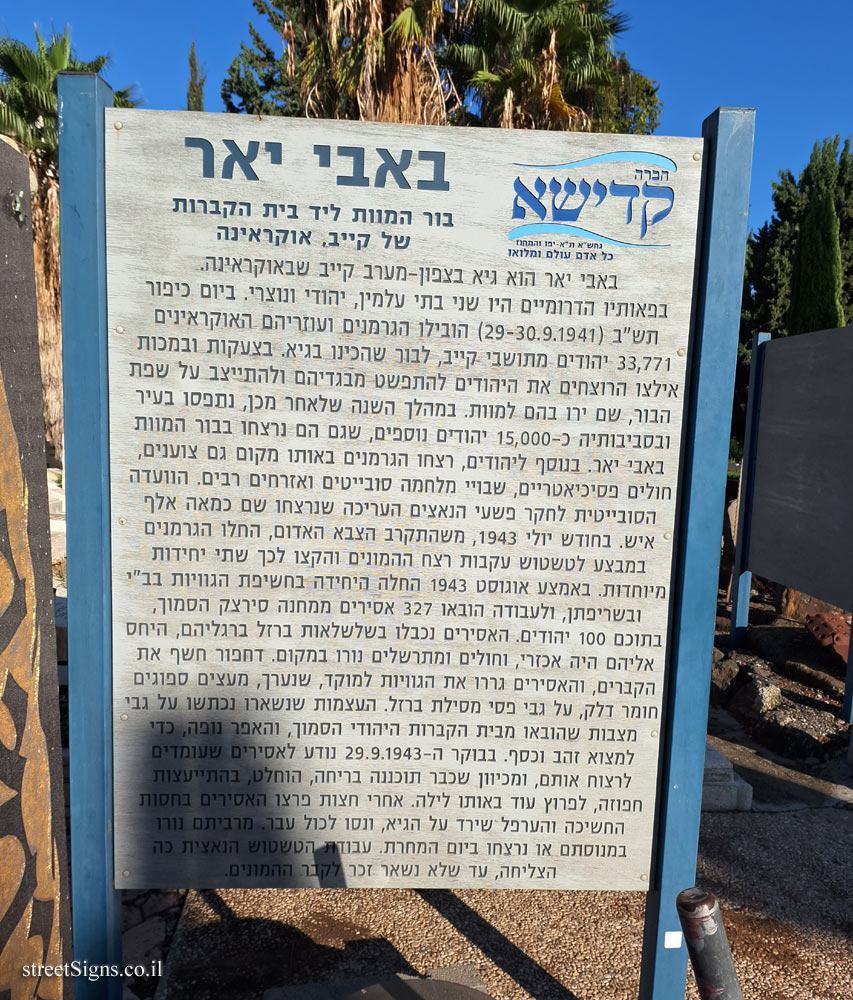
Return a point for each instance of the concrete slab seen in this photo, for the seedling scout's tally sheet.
(55, 493)
(723, 790)
(394, 988)
(464, 975)
(415, 989)
(312, 991)
(57, 538)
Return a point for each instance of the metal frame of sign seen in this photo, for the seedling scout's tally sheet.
(96, 905)
(728, 135)
(741, 574)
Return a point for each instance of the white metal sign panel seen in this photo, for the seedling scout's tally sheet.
(395, 421)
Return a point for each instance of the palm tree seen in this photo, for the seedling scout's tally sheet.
(544, 64)
(28, 118)
(517, 63)
(367, 59)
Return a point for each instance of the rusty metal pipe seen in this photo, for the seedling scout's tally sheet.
(707, 945)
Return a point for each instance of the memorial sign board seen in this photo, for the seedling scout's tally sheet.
(802, 477)
(395, 430)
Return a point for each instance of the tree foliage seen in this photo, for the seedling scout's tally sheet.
(516, 63)
(772, 248)
(816, 270)
(628, 102)
(535, 64)
(260, 81)
(795, 279)
(195, 84)
(28, 109)
(28, 116)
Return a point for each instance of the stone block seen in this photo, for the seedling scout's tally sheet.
(755, 698)
(722, 789)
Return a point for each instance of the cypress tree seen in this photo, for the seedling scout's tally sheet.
(195, 87)
(816, 276)
(769, 277)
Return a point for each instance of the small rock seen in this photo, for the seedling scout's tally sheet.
(756, 698)
(761, 671)
(724, 677)
(718, 654)
(798, 606)
(767, 697)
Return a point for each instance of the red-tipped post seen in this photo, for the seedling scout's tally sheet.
(707, 945)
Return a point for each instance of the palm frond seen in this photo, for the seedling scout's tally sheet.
(59, 53)
(28, 103)
(40, 100)
(19, 61)
(406, 28)
(13, 125)
(483, 78)
(467, 57)
(505, 15)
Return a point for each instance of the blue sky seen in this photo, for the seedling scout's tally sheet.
(790, 62)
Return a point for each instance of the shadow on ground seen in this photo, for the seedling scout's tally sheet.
(512, 960)
(238, 957)
(790, 867)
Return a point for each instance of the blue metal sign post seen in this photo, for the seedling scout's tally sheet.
(728, 150)
(96, 905)
(728, 135)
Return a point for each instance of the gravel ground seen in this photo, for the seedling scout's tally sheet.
(783, 880)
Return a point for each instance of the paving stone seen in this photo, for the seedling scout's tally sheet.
(416, 989)
(465, 975)
(445, 984)
(310, 991)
